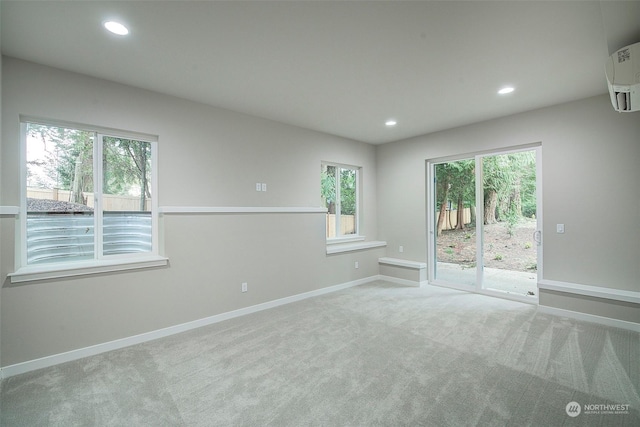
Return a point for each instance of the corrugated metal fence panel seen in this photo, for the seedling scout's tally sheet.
(59, 237)
(126, 232)
(63, 237)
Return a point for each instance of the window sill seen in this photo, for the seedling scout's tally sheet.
(42, 272)
(349, 247)
(9, 210)
(345, 239)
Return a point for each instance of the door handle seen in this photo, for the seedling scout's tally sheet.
(537, 236)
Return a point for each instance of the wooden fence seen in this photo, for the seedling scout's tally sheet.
(347, 225)
(451, 218)
(110, 202)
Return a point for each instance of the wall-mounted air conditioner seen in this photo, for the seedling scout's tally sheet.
(623, 77)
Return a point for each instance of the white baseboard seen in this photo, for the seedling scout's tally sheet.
(404, 282)
(44, 362)
(606, 321)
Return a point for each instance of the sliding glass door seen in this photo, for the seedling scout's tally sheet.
(484, 222)
(454, 216)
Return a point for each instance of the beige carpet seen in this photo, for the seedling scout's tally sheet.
(374, 355)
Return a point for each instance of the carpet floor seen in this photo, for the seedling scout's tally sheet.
(374, 355)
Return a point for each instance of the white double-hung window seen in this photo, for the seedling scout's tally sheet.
(341, 196)
(88, 200)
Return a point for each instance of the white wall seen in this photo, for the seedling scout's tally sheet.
(591, 177)
(207, 157)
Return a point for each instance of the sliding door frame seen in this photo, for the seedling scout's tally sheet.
(431, 219)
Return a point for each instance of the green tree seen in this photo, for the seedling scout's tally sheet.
(507, 179)
(127, 164)
(348, 184)
(348, 191)
(455, 181)
(69, 158)
(328, 188)
(462, 179)
(443, 185)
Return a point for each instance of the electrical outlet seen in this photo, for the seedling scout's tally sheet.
(258, 186)
(357, 265)
(244, 287)
(560, 228)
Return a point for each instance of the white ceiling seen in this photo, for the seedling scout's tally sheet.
(337, 67)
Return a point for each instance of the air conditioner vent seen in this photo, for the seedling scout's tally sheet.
(623, 78)
(624, 101)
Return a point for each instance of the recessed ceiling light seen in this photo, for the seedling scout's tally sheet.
(390, 123)
(506, 90)
(116, 28)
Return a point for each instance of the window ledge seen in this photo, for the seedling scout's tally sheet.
(402, 263)
(42, 272)
(348, 247)
(345, 239)
(9, 210)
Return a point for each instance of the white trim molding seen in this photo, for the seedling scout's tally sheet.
(47, 361)
(592, 291)
(57, 271)
(349, 247)
(9, 210)
(404, 282)
(402, 263)
(238, 209)
(606, 321)
(345, 239)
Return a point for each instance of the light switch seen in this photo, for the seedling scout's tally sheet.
(264, 186)
(559, 228)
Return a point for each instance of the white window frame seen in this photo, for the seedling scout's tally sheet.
(101, 263)
(346, 237)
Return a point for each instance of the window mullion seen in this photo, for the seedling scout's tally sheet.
(22, 260)
(155, 226)
(357, 207)
(338, 202)
(97, 194)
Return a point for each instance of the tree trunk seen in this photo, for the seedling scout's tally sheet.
(441, 217)
(503, 208)
(490, 205)
(76, 193)
(517, 198)
(460, 214)
(143, 179)
(443, 209)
